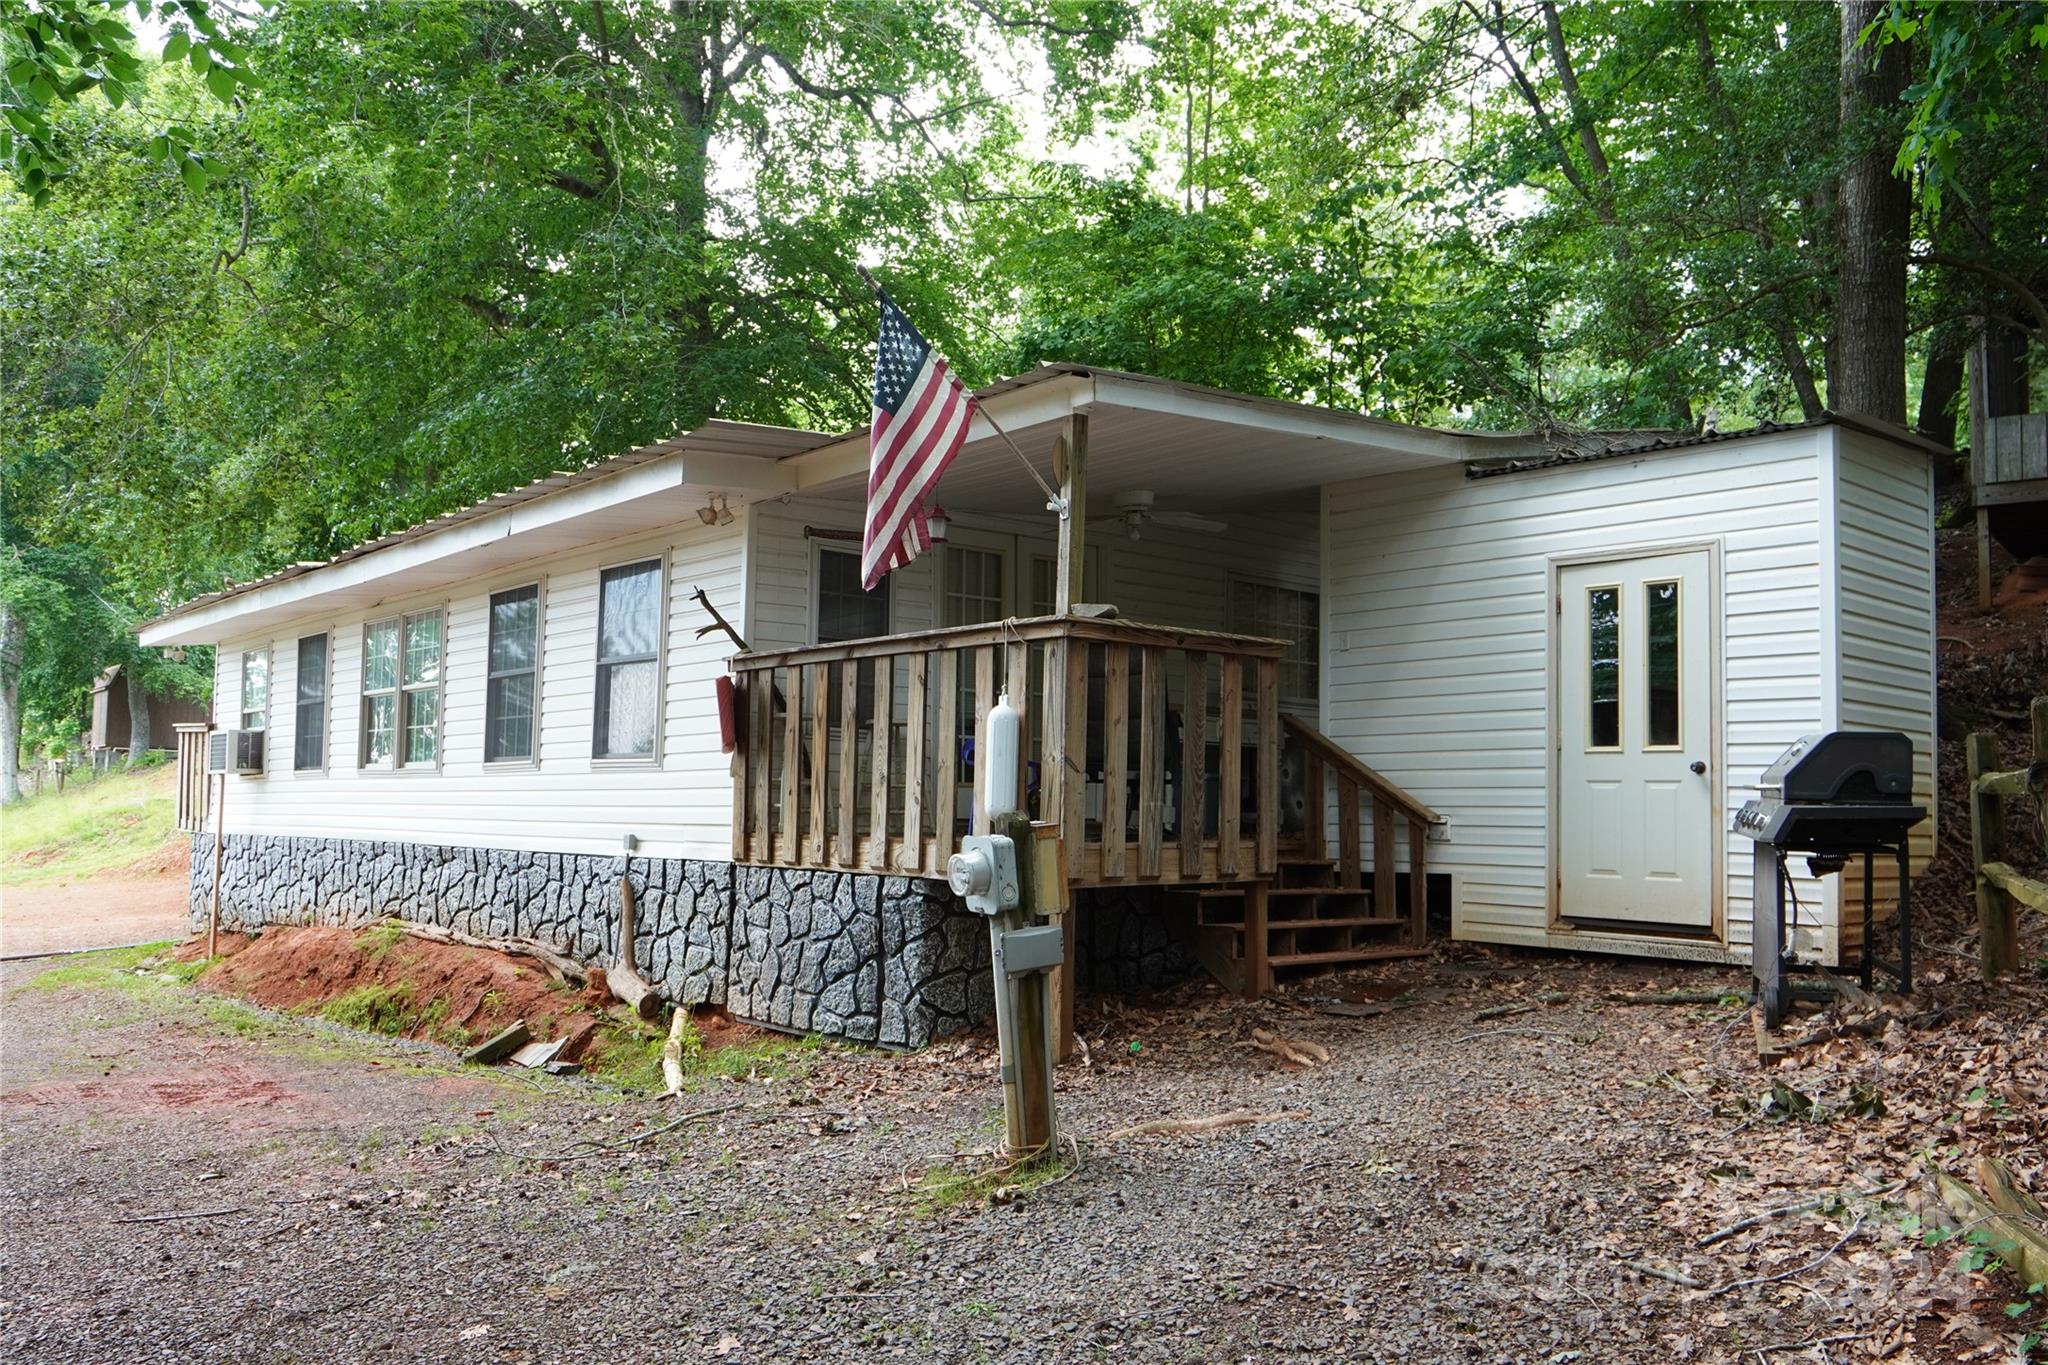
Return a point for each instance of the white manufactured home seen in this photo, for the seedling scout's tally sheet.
(1297, 681)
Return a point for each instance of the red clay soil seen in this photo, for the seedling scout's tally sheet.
(307, 968)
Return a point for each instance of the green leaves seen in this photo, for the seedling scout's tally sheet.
(58, 51)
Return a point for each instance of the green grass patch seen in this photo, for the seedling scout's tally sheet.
(954, 1183)
(629, 1057)
(118, 969)
(95, 825)
(381, 937)
(372, 1008)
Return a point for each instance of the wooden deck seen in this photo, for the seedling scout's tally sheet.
(1156, 749)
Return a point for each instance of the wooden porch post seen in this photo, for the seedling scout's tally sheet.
(1072, 457)
(1066, 711)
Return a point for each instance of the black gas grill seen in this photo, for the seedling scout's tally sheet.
(1832, 797)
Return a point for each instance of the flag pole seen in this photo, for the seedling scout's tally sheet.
(1053, 501)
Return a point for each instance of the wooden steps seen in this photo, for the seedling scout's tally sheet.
(1348, 955)
(1306, 919)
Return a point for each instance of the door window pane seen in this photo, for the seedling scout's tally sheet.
(628, 676)
(1660, 611)
(309, 738)
(1603, 621)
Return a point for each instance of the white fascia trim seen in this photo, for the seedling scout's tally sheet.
(1162, 397)
(721, 473)
(215, 621)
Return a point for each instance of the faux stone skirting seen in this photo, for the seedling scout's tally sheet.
(889, 960)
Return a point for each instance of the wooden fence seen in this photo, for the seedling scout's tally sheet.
(192, 783)
(2000, 886)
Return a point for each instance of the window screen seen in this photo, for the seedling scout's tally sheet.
(309, 735)
(628, 669)
(512, 691)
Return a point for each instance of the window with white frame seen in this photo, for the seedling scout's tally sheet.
(402, 691)
(255, 689)
(973, 586)
(512, 692)
(845, 611)
(1280, 613)
(309, 732)
(628, 661)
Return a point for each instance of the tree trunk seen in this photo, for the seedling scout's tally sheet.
(138, 715)
(1940, 385)
(1869, 376)
(10, 704)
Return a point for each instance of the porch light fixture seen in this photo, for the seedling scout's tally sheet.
(715, 512)
(936, 522)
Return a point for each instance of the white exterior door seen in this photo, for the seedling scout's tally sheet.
(1635, 744)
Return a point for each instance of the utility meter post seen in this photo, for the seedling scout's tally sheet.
(993, 874)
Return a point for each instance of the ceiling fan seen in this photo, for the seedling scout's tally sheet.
(1134, 510)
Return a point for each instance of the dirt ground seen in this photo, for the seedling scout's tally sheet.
(102, 913)
(1504, 1164)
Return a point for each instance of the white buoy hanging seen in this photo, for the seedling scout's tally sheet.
(999, 766)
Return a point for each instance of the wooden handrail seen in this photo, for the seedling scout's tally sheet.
(1326, 749)
(1028, 630)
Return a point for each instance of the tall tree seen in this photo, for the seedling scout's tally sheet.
(1868, 375)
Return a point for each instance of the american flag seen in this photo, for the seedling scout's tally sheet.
(920, 421)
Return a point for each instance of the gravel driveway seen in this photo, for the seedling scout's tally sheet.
(183, 1178)
(105, 912)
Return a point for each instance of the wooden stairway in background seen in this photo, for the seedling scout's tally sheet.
(1244, 934)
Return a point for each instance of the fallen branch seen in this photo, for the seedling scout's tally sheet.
(1153, 1127)
(1803, 1206)
(623, 977)
(1504, 1032)
(1677, 1277)
(1688, 996)
(613, 1148)
(1817, 1261)
(1295, 1051)
(1502, 1012)
(672, 1053)
(559, 965)
(2020, 1245)
(177, 1217)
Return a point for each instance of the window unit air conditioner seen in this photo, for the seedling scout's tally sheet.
(235, 751)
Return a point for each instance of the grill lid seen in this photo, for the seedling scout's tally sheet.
(1843, 766)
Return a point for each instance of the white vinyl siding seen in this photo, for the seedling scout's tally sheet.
(1437, 610)
(566, 802)
(1884, 590)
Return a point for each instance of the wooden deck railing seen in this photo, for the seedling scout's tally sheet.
(192, 784)
(1332, 775)
(1156, 749)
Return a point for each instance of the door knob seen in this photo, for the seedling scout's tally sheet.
(1699, 767)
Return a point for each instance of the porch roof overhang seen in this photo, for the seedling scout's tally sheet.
(1185, 441)
(644, 490)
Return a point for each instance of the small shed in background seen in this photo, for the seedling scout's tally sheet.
(110, 716)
